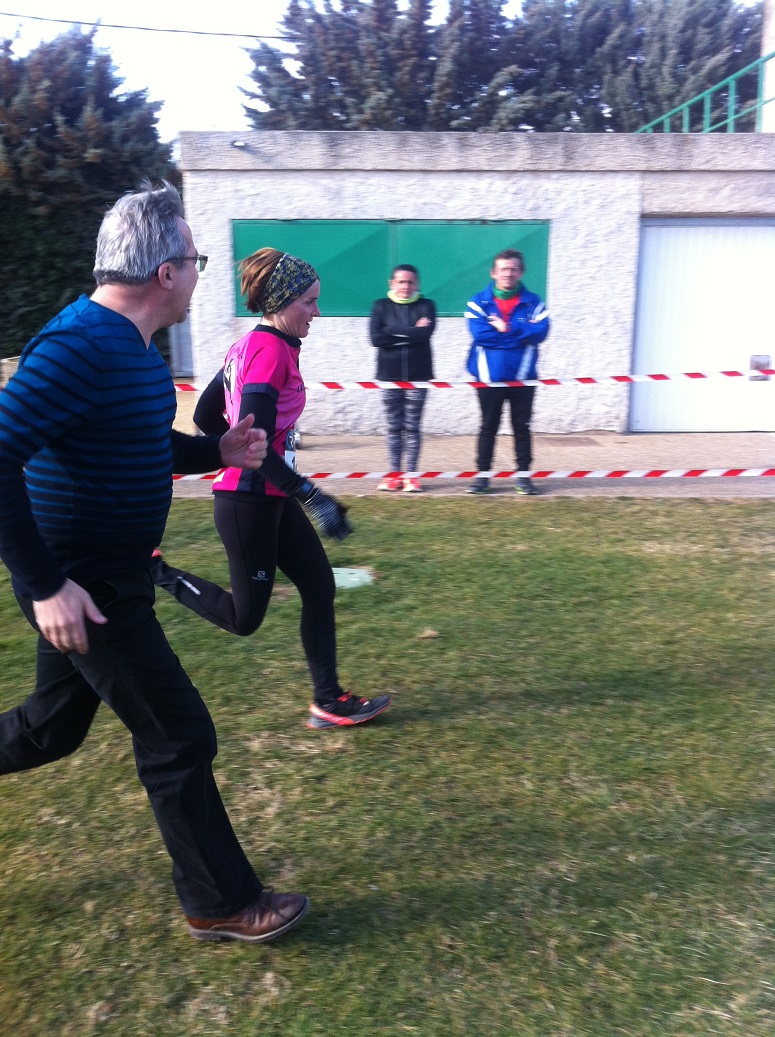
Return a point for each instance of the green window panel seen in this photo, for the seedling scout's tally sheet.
(454, 258)
(349, 255)
(354, 257)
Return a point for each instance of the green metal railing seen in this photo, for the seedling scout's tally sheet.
(711, 118)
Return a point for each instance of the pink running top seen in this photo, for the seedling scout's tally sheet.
(263, 362)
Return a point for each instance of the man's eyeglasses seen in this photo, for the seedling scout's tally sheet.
(201, 261)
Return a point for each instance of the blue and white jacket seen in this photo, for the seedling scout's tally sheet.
(505, 356)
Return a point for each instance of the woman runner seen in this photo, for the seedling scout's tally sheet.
(260, 515)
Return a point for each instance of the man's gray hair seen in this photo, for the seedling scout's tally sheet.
(138, 234)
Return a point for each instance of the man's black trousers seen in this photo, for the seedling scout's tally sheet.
(520, 399)
(133, 670)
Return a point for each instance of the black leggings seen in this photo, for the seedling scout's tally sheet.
(261, 535)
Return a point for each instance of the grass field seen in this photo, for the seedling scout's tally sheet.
(564, 825)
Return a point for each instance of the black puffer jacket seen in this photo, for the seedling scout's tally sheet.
(403, 350)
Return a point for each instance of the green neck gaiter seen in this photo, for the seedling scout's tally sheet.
(403, 302)
(500, 294)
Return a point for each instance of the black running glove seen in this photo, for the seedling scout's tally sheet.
(326, 512)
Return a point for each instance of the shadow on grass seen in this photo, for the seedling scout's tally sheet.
(682, 855)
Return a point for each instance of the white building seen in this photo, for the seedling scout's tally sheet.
(660, 258)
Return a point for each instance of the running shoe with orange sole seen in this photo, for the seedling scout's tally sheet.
(346, 711)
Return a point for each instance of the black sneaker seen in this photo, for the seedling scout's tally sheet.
(346, 711)
(526, 486)
(479, 485)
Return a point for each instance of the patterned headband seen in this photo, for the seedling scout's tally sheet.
(290, 279)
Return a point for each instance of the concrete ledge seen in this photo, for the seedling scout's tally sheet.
(502, 152)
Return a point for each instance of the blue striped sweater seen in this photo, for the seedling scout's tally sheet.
(87, 452)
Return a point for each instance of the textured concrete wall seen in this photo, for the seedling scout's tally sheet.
(768, 47)
(593, 190)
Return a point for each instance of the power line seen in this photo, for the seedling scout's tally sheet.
(142, 28)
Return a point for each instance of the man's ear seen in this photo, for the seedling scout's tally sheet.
(166, 276)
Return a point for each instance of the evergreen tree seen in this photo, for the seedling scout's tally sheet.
(69, 146)
(617, 64)
(414, 65)
(683, 48)
(470, 55)
(359, 66)
(572, 65)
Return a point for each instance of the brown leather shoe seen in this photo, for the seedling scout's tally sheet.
(267, 917)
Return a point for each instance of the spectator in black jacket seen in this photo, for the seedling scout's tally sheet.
(401, 327)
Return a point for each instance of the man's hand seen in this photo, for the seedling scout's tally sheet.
(243, 446)
(498, 323)
(423, 322)
(62, 618)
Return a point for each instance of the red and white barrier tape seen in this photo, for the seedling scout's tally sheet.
(615, 379)
(646, 473)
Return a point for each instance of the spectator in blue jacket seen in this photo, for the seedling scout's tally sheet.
(507, 324)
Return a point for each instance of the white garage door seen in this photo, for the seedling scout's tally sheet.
(706, 302)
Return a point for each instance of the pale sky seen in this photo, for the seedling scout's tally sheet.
(197, 77)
